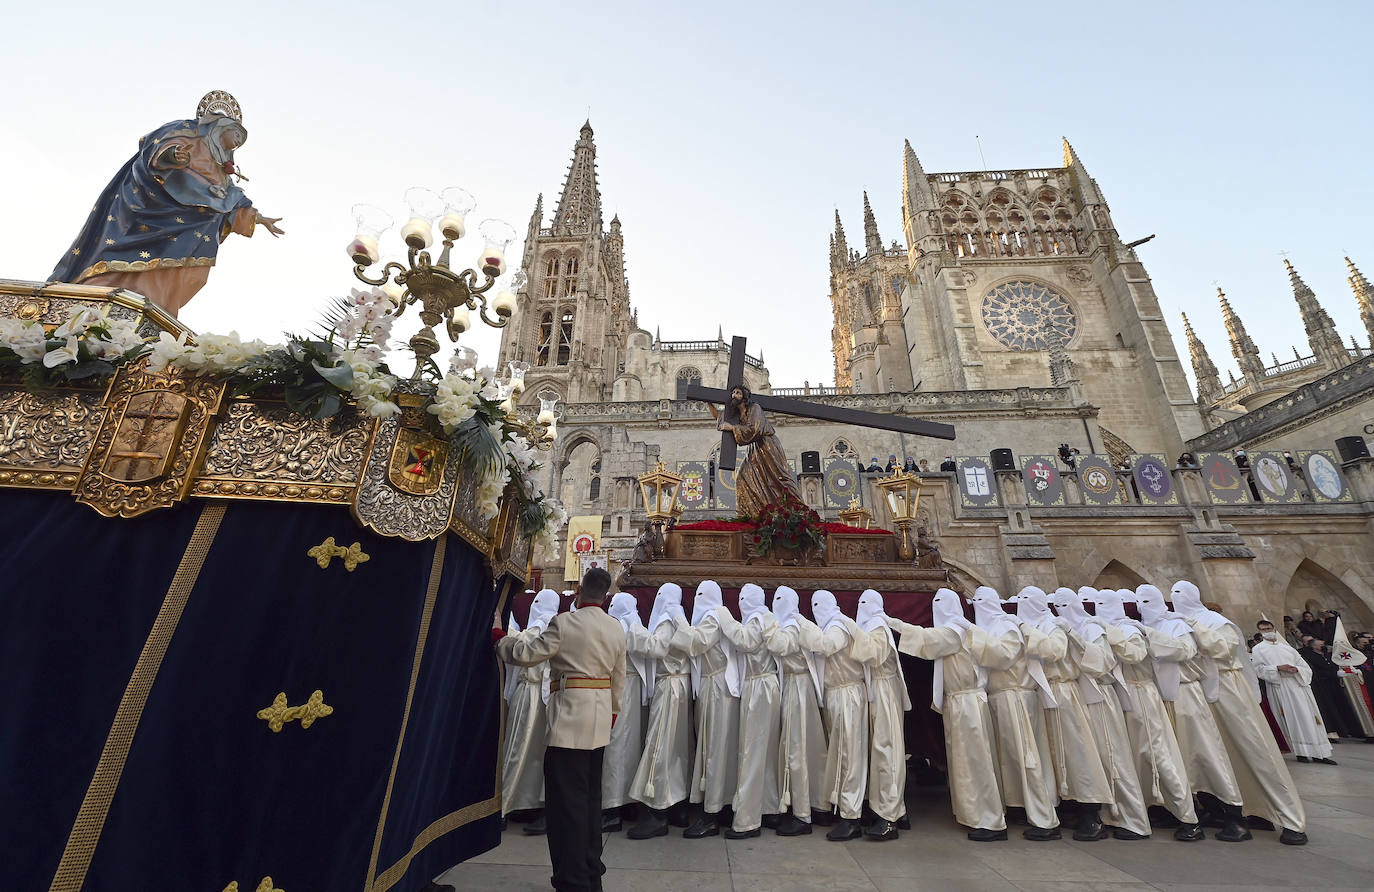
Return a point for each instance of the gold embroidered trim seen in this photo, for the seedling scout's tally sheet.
(326, 551)
(90, 819)
(468, 813)
(265, 886)
(279, 714)
(436, 572)
(141, 266)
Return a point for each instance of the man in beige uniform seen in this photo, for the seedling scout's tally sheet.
(586, 654)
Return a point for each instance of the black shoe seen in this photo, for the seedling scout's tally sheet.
(822, 818)
(904, 823)
(1162, 817)
(1090, 827)
(743, 834)
(881, 830)
(982, 834)
(1303, 759)
(1189, 833)
(791, 825)
(1234, 831)
(771, 822)
(847, 828)
(1325, 761)
(1255, 822)
(1041, 834)
(610, 821)
(537, 827)
(702, 827)
(1123, 833)
(655, 823)
(1293, 837)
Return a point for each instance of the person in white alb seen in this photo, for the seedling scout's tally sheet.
(665, 766)
(627, 737)
(716, 687)
(1288, 678)
(887, 701)
(801, 747)
(527, 693)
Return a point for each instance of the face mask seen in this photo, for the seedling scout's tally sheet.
(1270, 636)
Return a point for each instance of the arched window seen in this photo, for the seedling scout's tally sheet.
(545, 339)
(570, 276)
(686, 377)
(566, 336)
(594, 484)
(551, 276)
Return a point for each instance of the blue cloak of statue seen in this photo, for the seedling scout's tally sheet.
(159, 212)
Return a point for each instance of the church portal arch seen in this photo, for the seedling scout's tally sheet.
(1313, 587)
(1117, 575)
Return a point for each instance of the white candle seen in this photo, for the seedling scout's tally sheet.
(493, 261)
(393, 292)
(546, 416)
(417, 233)
(508, 404)
(504, 303)
(462, 320)
(363, 250)
(551, 432)
(451, 226)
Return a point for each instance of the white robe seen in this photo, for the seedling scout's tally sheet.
(665, 766)
(522, 764)
(973, 789)
(760, 720)
(1195, 725)
(1291, 700)
(621, 758)
(1077, 760)
(846, 715)
(1127, 808)
(716, 719)
(886, 731)
(801, 744)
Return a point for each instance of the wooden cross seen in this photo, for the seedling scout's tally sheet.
(804, 409)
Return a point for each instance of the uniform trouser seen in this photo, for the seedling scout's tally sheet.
(572, 809)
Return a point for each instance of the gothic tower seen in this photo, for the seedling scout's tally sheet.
(867, 338)
(1364, 296)
(1209, 389)
(1242, 348)
(998, 257)
(1321, 331)
(573, 315)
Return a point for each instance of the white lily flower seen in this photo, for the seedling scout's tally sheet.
(166, 350)
(29, 342)
(54, 358)
(78, 322)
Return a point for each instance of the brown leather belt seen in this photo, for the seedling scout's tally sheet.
(574, 682)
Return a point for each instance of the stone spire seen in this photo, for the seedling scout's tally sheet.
(1242, 348)
(1321, 331)
(873, 243)
(1364, 296)
(1085, 185)
(579, 207)
(536, 219)
(1209, 389)
(841, 246)
(916, 194)
(1062, 372)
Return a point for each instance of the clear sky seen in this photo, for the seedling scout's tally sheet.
(727, 135)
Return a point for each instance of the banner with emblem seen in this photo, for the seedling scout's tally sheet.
(695, 490)
(584, 538)
(841, 482)
(977, 485)
(1154, 482)
(1044, 485)
(1274, 480)
(723, 497)
(1097, 480)
(1225, 486)
(1324, 478)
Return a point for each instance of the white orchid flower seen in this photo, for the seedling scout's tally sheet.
(54, 358)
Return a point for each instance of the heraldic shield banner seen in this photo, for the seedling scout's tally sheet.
(1225, 486)
(1044, 485)
(1097, 480)
(1273, 479)
(1324, 477)
(841, 482)
(1154, 482)
(976, 482)
(695, 489)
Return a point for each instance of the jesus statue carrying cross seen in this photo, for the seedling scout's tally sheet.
(764, 478)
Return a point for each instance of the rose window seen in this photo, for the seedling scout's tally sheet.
(1016, 313)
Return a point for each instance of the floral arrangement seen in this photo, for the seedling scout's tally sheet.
(790, 524)
(318, 374)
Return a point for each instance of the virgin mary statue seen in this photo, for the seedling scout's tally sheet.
(764, 477)
(157, 227)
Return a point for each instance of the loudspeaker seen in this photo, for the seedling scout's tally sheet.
(1003, 460)
(1352, 448)
(811, 462)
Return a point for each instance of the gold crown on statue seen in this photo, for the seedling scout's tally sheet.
(219, 102)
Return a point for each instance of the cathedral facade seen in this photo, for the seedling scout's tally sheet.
(1014, 311)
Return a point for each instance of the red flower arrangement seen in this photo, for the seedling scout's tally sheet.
(789, 524)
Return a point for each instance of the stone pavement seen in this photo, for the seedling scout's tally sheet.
(935, 855)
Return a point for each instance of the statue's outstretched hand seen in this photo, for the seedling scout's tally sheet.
(270, 224)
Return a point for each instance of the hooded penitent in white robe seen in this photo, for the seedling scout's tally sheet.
(1107, 700)
(845, 647)
(716, 687)
(621, 758)
(1265, 784)
(1158, 760)
(665, 766)
(1347, 658)
(522, 764)
(887, 701)
(1017, 695)
(1077, 764)
(801, 746)
(1290, 698)
(959, 695)
(1180, 674)
(760, 709)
